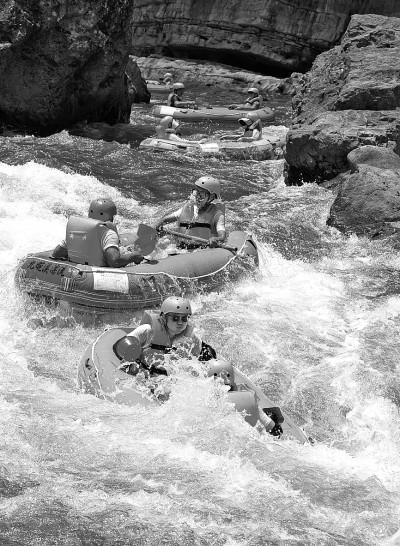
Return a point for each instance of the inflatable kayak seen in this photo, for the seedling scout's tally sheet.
(133, 287)
(218, 113)
(155, 87)
(259, 149)
(100, 374)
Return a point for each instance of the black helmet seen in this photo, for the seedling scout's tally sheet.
(102, 209)
(128, 349)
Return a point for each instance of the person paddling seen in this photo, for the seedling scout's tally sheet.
(162, 333)
(167, 129)
(95, 240)
(252, 129)
(167, 79)
(254, 101)
(175, 98)
(203, 215)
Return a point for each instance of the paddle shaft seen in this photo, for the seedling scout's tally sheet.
(198, 239)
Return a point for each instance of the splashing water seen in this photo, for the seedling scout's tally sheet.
(317, 328)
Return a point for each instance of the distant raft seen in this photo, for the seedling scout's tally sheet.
(133, 287)
(100, 374)
(217, 113)
(259, 149)
(271, 146)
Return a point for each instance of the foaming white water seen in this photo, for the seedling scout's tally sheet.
(192, 471)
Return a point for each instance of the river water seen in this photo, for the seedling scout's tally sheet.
(318, 328)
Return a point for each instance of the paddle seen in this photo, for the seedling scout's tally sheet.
(198, 239)
(143, 241)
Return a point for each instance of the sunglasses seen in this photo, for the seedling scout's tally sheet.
(201, 193)
(177, 318)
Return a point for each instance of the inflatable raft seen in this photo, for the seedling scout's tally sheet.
(260, 149)
(217, 113)
(132, 287)
(100, 374)
(154, 87)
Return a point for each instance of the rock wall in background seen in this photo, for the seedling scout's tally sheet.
(348, 99)
(268, 36)
(62, 61)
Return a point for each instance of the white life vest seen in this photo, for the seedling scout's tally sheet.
(84, 240)
(204, 224)
(172, 98)
(258, 99)
(249, 131)
(161, 343)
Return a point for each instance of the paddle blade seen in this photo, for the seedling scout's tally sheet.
(143, 241)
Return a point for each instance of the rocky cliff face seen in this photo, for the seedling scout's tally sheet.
(350, 98)
(268, 36)
(62, 61)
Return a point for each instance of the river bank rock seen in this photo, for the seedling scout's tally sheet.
(63, 61)
(275, 37)
(368, 201)
(154, 67)
(138, 91)
(349, 98)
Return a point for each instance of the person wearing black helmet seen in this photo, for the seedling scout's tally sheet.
(175, 98)
(203, 215)
(161, 333)
(252, 129)
(94, 240)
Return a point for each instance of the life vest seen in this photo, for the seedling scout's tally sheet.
(258, 99)
(161, 343)
(172, 97)
(177, 102)
(204, 225)
(250, 128)
(84, 240)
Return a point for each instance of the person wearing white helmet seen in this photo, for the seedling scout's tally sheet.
(254, 101)
(175, 98)
(252, 129)
(167, 129)
(161, 333)
(94, 240)
(167, 79)
(203, 215)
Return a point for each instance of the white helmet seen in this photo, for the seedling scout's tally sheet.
(209, 183)
(174, 304)
(168, 122)
(167, 75)
(178, 85)
(253, 90)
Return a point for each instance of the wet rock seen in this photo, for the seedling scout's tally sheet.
(382, 158)
(137, 84)
(63, 61)
(276, 36)
(368, 201)
(318, 150)
(349, 98)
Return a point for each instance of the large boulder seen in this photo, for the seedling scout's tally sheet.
(62, 61)
(138, 91)
(271, 37)
(368, 201)
(318, 150)
(349, 98)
